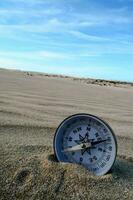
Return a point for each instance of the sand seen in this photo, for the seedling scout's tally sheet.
(32, 105)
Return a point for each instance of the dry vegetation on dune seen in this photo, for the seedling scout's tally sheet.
(31, 108)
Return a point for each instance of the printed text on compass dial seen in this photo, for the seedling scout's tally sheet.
(89, 144)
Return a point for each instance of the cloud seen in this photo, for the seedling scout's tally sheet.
(80, 70)
(33, 12)
(53, 25)
(88, 36)
(10, 63)
(44, 31)
(60, 69)
(34, 55)
(63, 17)
(84, 71)
(29, 2)
(54, 18)
(46, 55)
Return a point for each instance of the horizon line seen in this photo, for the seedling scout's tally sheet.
(66, 76)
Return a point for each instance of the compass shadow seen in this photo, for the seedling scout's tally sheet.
(123, 168)
(52, 158)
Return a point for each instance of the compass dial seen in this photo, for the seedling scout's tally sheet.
(86, 140)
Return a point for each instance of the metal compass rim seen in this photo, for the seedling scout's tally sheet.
(89, 116)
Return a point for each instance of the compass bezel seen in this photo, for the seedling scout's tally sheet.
(89, 116)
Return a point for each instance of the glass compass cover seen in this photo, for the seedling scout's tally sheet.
(86, 140)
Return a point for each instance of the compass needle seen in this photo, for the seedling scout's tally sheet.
(98, 142)
(88, 141)
(77, 147)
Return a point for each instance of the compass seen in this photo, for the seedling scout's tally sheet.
(86, 140)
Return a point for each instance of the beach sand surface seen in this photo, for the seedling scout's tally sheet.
(32, 105)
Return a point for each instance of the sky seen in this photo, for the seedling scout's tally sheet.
(83, 38)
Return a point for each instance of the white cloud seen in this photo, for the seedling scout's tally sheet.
(32, 13)
(29, 2)
(84, 71)
(10, 63)
(46, 55)
(72, 26)
(34, 55)
(87, 36)
(14, 64)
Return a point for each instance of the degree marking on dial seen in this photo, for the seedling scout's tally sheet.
(69, 125)
(74, 131)
(108, 157)
(105, 130)
(97, 134)
(100, 149)
(98, 123)
(77, 130)
(104, 160)
(70, 139)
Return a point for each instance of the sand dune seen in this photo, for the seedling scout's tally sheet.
(32, 105)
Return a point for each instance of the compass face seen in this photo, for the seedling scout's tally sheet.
(86, 140)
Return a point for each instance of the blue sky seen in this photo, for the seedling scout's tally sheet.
(84, 38)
